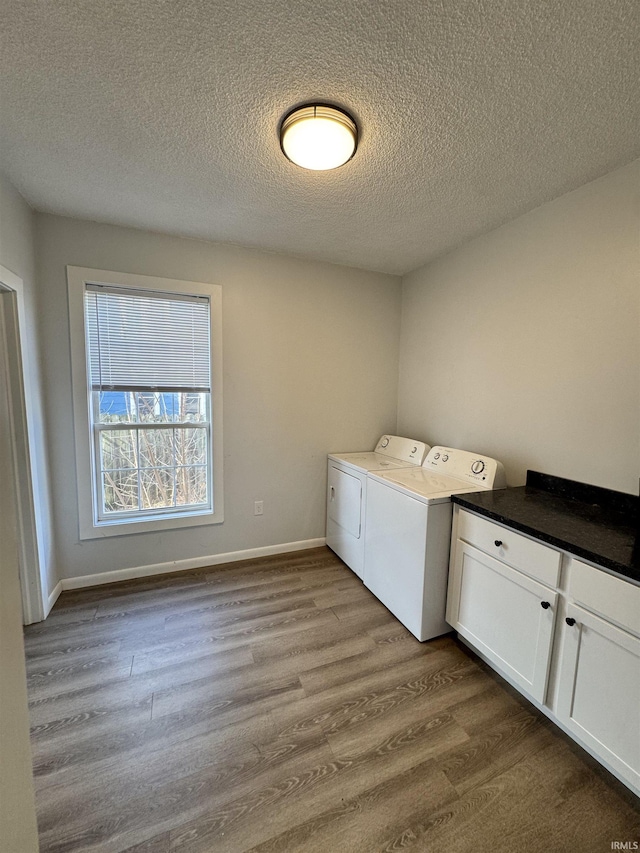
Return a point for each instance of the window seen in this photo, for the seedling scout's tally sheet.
(147, 391)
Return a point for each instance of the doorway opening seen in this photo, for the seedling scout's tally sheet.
(32, 581)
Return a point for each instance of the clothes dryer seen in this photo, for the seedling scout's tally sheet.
(347, 490)
(408, 533)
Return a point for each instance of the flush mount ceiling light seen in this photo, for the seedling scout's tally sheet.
(318, 137)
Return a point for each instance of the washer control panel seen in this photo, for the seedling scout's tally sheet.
(405, 449)
(484, 471)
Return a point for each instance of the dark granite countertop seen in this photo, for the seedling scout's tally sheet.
(597, 524)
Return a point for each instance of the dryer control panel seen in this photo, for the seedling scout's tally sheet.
(474, 468)
(405, 449)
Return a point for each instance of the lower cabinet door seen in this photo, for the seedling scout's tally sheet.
(505, 615)
(599, 690)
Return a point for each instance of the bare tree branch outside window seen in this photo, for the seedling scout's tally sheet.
(156, 457)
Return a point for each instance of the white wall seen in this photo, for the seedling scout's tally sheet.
(18, 254)
(525, 343)
(310, 366)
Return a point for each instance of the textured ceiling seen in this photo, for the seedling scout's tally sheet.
(163, 115)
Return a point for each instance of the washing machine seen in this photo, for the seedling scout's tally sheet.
(408, 533)
(347, 490)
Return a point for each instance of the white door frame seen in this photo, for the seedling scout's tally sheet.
(32, 580)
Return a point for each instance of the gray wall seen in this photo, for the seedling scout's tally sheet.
(525, 343)
(310, 366)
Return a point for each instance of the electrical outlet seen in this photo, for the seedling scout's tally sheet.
(258, 507)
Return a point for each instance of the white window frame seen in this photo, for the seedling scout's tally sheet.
(90, 526)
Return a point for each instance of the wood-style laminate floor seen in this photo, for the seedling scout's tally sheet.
(276, 705)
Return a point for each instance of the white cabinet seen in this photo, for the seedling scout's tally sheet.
(527, 555)
(599, 690)
(530, 611)
(506, 615)
(598, 696)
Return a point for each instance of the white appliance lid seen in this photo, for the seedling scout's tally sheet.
(424, 484)
(370, 461)
(446, 471)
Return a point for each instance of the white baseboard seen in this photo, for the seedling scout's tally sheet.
(53, 597)
(184, 565)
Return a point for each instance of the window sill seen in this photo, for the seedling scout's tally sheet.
(103, 530)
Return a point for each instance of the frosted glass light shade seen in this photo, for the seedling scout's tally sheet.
(318, 137)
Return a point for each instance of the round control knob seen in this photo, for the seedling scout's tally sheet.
(570, 621)
(384, 442)
(445, 457)
(436, 456)
(545, 605)
(478, 466)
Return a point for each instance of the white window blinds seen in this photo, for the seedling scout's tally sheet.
(140, 340)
